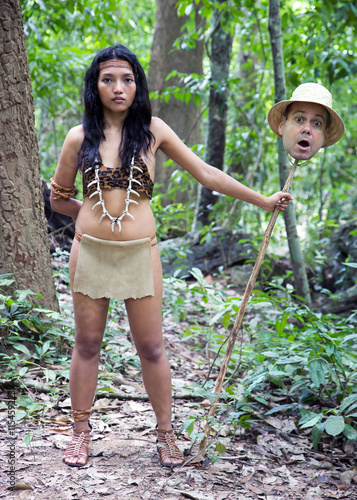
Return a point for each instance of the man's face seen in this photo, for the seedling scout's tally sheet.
(304, 129)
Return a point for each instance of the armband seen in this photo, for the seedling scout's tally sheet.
(60, 192)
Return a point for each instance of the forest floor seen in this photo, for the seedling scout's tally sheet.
(273, 460)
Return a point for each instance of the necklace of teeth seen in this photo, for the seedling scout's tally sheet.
(128, 200)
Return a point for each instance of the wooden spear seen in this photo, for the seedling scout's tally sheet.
(242, 308)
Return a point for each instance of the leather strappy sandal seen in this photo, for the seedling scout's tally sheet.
(168, 449)
(79, 446)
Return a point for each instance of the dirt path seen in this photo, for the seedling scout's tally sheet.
(273, 461)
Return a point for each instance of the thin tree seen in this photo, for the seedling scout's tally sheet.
(296, 256)
(23, 230)
(220, 57)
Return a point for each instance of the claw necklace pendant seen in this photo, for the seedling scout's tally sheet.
(128, 200)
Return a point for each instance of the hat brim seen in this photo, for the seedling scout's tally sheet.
(335, 129)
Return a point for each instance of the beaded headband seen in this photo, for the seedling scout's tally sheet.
(114, 63)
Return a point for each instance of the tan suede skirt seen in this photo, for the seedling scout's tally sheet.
(114, 269)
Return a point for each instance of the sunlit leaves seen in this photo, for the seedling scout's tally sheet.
(319, 43)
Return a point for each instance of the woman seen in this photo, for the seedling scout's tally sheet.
(114, 254)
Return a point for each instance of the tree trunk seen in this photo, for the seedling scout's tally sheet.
(183, 118)
(221, 44)
(23, 231)
(296, 256)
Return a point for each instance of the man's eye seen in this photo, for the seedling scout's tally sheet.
(317, 123)
(299, 119)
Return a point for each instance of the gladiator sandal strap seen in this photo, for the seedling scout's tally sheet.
(168, 449)
(76, 454)
(81, 415)
(78, 449)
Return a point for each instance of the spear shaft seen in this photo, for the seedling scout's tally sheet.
(242, 308)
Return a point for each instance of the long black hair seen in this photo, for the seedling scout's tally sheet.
(136, 134)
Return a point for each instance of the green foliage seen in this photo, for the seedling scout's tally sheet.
(174, 218)
(27, 329)
(310, 358)
(289, 351)
(319, 42)
(192, 86)
(291, 359)
(250, 145)
(38, 341)
(305, 360)
(32, 339)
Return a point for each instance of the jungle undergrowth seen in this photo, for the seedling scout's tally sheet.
(288, 353)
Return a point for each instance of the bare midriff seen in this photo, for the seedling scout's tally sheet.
(143, 226)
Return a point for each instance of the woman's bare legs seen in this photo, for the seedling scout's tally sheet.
(145, 319)
(90, 320)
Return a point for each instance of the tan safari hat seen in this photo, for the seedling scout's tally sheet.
(310, 92)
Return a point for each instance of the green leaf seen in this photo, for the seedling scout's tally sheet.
(24, 401)
(28, 438)
(307, 397)
(334, 425)
(316, 434)
(19, 415)
(106, 389)
(330, 349)
(5, 282)
(22, 348)
(196, 99)
(261, 400)
(226, 320)
(23, 370)
(348, 401)
(188, 423)
(313, 421)
(22, 294)
(317, 373)
(198, 275)
(350, 432)
(351, 408)
(279, 408)
(190, 428)
(220, 448)
(280, 325)
(46, 345)
(50, 375)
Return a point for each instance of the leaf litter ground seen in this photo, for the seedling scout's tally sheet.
(272, 461)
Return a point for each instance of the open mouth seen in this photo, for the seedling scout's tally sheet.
(304, 144)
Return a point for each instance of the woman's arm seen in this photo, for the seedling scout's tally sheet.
(209, 176)
(66, 171)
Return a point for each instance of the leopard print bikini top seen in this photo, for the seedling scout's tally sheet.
(111, 178)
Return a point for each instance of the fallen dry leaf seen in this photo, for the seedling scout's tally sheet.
(347, 476)
(254, 489)
(124, 465)
(21, 486)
